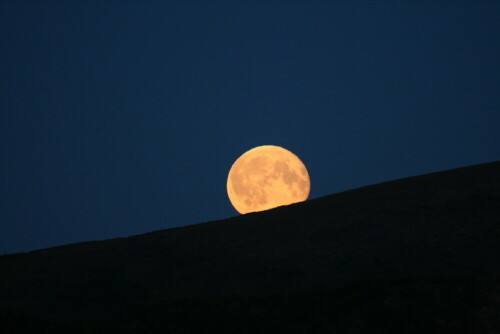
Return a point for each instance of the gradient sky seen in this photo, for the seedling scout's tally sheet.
(124, 117)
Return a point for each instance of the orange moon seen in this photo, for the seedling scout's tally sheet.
(266, 177)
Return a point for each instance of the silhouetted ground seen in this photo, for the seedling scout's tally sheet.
(417, 255)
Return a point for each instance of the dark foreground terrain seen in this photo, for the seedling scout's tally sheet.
(417, 255)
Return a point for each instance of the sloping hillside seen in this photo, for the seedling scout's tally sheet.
(422, 251)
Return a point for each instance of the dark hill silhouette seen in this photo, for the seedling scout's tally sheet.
(416, 255)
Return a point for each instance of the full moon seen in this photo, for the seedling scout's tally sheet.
(266, 177)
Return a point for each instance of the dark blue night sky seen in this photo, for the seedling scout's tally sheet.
(124, 117)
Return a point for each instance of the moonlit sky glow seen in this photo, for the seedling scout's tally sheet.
(124, 117)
